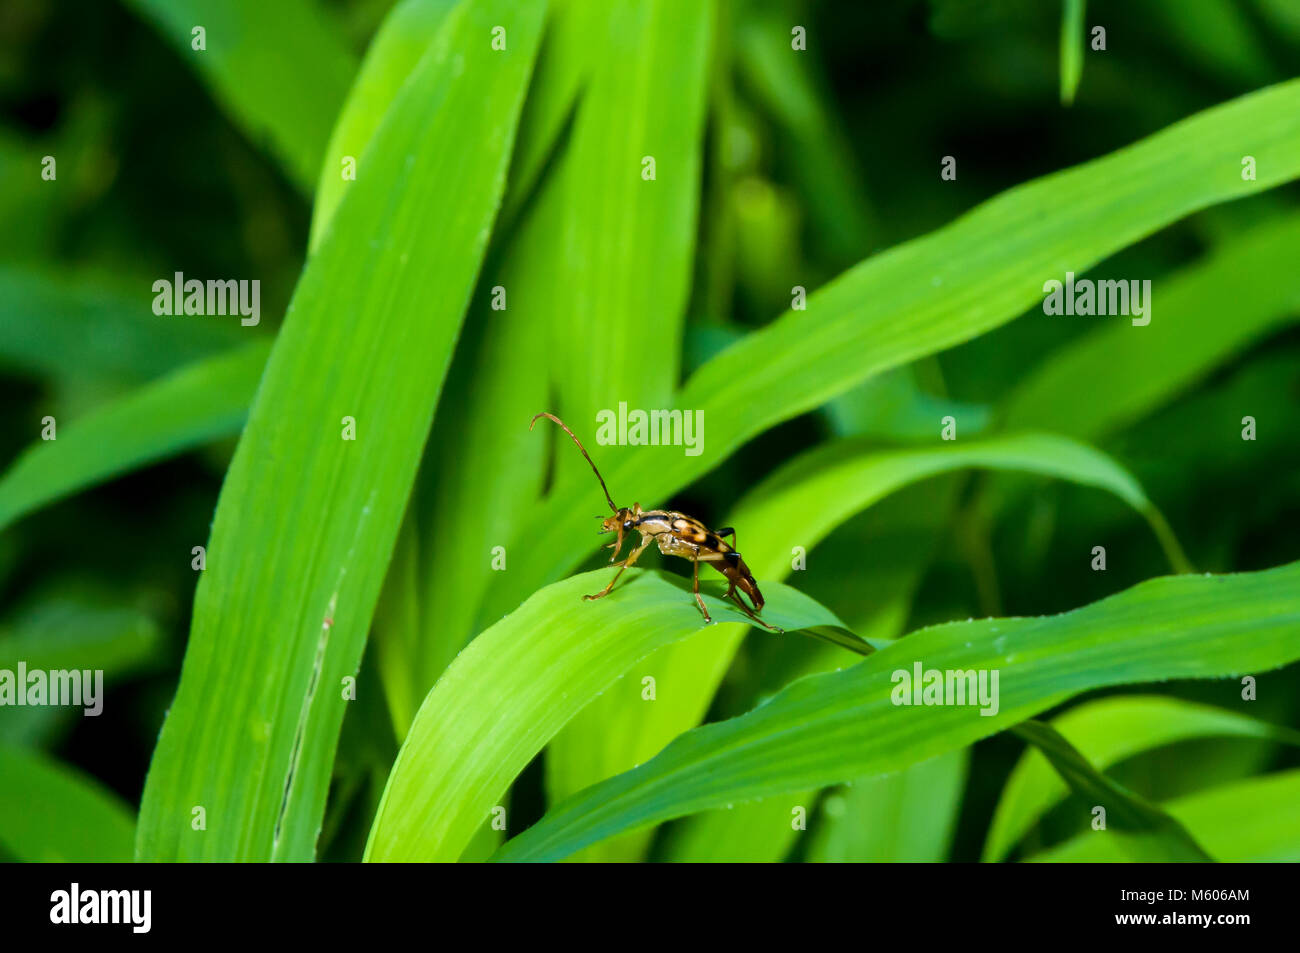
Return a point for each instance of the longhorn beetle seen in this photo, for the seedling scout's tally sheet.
(677, 535)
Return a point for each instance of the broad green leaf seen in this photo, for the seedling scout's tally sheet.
(516, 685)
(1152, 834)
(394, 52)
(1072, 46)
(279, 69)
(1106, 732)
(307, 521)
(798, 506)
(55, 322)
(930, 294)
(198, 403)
(908, 817)
(52, 813)
(1129, 371)
(843, 725)
(1249, 821)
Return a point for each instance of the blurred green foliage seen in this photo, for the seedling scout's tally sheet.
(776, 168)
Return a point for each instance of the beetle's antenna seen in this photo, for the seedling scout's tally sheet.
(580, 447)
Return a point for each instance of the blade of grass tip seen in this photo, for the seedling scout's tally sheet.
(295, 564)
(1072, 41)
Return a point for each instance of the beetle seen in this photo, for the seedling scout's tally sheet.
(676, 534)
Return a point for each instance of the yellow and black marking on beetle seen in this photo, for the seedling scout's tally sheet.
(676, 534)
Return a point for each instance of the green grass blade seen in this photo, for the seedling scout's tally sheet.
(66, 627)
(307, 521)
(831, 728)
(930, 294)
(798, 506)
(1249, 821)
(1072, 45)
(280, 70)
(57, 320)
(564, 66)
(518, 683)
(645, 98)
(51, 813)
(1106, 732)
(496, 381)
(396, 628)
(472, 501)
(64, 631)
(1153, 834)
(199, 403)
(395, 51)
(1252, 278)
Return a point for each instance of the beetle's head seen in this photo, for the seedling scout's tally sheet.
(622, 520)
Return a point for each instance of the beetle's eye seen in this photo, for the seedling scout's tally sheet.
(627, 525)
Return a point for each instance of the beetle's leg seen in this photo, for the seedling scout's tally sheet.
(727, 532)
(631, 558)
(695, 561)
(754, 616)
(616, 545)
